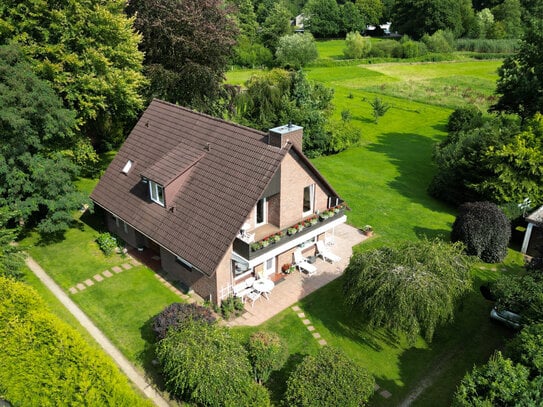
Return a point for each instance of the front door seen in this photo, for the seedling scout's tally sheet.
(269, 267)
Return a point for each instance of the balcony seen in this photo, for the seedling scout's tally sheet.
(248, 251)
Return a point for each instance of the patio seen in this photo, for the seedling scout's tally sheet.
(298, 285)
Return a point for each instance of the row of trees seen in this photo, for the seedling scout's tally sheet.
(204, 363)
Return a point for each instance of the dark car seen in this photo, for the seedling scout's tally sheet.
(506, 317)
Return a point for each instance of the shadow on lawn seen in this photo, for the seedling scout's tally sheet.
(412, 155)
(147, 356)
(442, 234)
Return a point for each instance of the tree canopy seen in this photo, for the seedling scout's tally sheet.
(322, 17)
(418, 17)
(412, 288)
(204, 364)
(11, 256)
(88, 52)
(329, 378)
(520, 83)
(37, 133)
(187, 45)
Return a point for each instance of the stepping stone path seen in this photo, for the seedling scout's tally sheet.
(321, 341)
(119, 269)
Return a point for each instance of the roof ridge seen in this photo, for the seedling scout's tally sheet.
(230, 123)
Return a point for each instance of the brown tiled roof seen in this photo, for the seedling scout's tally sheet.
(230, 167)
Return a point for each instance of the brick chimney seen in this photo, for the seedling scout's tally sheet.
(279, 136)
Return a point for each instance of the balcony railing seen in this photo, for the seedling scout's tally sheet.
(249, 250)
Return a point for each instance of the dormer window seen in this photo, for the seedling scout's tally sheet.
(157, 192)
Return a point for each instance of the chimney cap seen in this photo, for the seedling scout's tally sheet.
(287, 128)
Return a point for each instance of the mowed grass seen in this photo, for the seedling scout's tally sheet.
(384, 181)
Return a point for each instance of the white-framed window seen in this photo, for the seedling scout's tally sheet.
(309, 200)
(125, 227)
(261, 212)
(127, 167)
(157, 192)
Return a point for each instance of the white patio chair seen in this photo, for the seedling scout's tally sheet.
(303, 265)
(241, 290)
(325, 253)
(253, 296)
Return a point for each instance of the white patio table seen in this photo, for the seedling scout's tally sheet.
(264, 286)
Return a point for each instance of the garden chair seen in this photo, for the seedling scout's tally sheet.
(303, 265)
(325, 253)
(253, 296)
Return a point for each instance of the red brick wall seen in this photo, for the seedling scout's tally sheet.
(295, 176)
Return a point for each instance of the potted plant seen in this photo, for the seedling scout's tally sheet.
(256, 246)
(265, 242)
(367, 230)
(275, 238)
(299, 227)
(313, 220)
(291, 231)
(287, 268)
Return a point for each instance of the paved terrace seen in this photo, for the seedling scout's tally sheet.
(298, 285)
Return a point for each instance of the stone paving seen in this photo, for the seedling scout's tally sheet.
(297, 285)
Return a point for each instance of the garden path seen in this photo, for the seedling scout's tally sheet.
(128, 369)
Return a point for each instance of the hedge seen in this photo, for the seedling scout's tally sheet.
(45, 362)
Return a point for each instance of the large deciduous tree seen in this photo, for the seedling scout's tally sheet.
(418, 17)
(37, 138)
(296, 50)
(187, 46)
(520, 83)
(412, 288)
(278, 97)
(322, 17)
(88, 51)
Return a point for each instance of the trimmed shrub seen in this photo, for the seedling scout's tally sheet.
(329, 378)
(267, 352)
(46, 362)
(204, 364)
(464, 119)
(484, 229)
(527, 348)
(174, 315)
(440, 41)
(231, 307)
(107, 243)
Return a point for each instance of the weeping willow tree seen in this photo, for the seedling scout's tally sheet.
(411, 289)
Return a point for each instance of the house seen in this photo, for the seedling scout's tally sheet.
(216, 201)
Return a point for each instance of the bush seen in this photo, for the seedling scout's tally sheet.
(252, 54)
(506, 46)
(267, 352)
(498, 383)
(484, 229)
(329, 379)
(174, 315)
(296, 50)
(527, 348)
(464, 119)
(205, 365)
(46, 362)
(107, 243)
(440, 41)
(231, 307)
(521, 294)
(356, 46)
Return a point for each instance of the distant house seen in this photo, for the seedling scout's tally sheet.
(216, 201)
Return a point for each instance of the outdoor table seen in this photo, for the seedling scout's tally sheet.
(264, 286)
